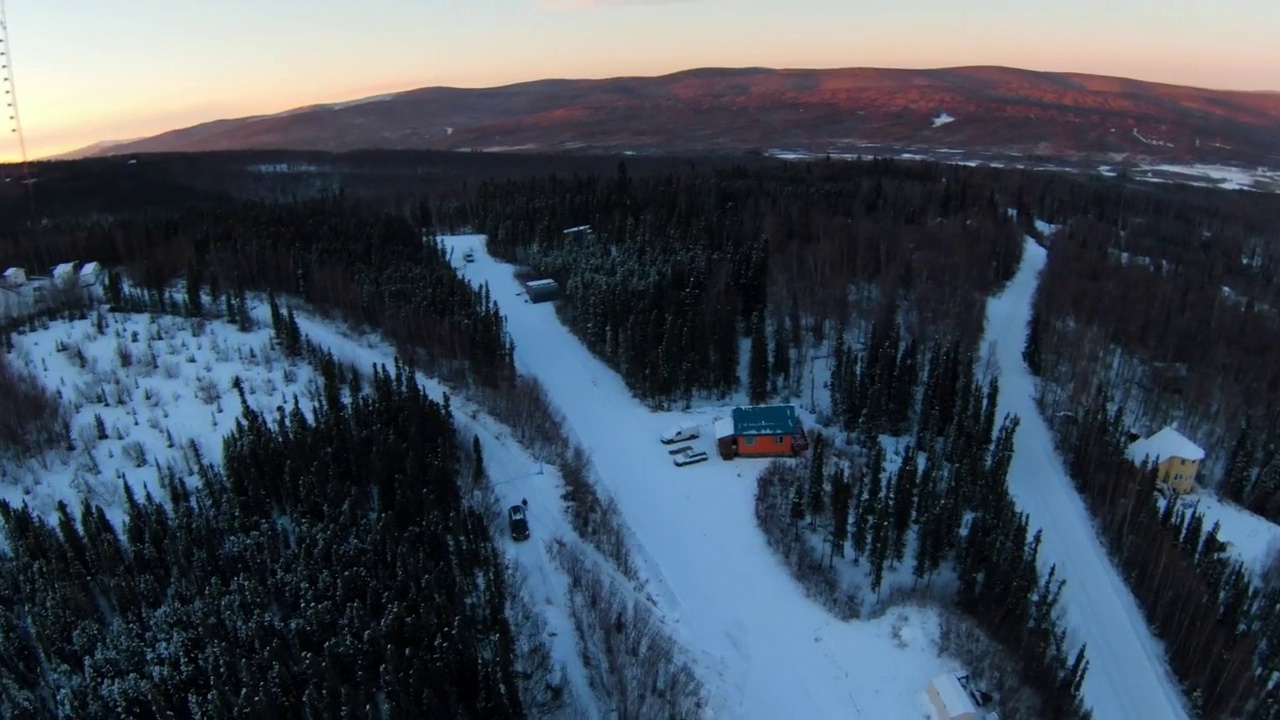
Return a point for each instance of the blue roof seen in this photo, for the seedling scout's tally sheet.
(765, 420)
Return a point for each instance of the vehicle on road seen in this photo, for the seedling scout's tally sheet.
(519, 522)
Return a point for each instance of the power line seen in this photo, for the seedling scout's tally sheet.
(11, 101)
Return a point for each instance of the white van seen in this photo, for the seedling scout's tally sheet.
(680, 433)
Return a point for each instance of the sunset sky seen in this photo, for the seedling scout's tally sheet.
(91, 70)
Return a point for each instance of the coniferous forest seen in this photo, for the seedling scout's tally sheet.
(680, 267)
(307, 578)
(288, 581)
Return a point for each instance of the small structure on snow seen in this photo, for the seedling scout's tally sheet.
(90, 274)
(15, 277)
(725, 437)
(767, 430)
(954, 698)
(544, 290)
(64, 274)
(1177, 459)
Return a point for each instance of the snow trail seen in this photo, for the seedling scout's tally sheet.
(1128, 674)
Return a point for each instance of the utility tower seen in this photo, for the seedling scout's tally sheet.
(11, 101)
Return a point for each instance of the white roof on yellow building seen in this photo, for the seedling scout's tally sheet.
(1168, 443)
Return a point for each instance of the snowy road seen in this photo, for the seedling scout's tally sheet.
(1128, 675)
(764, 650)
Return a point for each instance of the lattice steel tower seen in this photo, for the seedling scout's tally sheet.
(11, 100)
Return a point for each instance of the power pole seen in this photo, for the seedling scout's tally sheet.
(11, 102)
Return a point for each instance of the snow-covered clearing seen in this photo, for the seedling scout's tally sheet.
(157, 383)
(942, 119)
(764, 650)
(1128, 672)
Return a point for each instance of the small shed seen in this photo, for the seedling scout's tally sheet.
(724, 437)
(15, 277)
(950, 700)
(91, 273)
(64, 273)
(542, 290)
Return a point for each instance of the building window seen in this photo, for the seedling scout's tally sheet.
(779, 439)
(748, 440)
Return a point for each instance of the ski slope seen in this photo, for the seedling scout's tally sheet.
(1128, 673)
(763, 649)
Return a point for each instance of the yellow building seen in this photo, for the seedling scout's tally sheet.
(1176, 457)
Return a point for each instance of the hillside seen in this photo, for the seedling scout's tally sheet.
(976, 109)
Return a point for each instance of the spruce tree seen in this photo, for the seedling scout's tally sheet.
(1238, 478)
(477, 469)
(797, 506)
(758, 363)
(1031, 346)
(903, 503)
(817, 478)
(869, 504)
(194, 282)
(841, 496)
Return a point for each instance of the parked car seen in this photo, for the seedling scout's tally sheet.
(680, 433)
(519, 522)
(689, 458)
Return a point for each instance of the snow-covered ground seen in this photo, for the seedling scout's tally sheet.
(1128, 673)
(1220, 176)
(156, 383)
(764, 649)
(1250, 538)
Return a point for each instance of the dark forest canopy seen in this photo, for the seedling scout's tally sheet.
(306, 578)
(698, 261)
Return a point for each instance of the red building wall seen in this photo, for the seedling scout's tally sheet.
(765, 444)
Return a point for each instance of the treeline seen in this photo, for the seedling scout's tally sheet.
(679, 267)
(307, 577)
(394, 180)
(946, 502)
(370, 266)
(1221, 631)
(1170, 299)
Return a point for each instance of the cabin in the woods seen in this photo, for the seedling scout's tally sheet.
(763, 431)
(954, 697)
(14, 277)
(1176, 458)
(542, 290)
